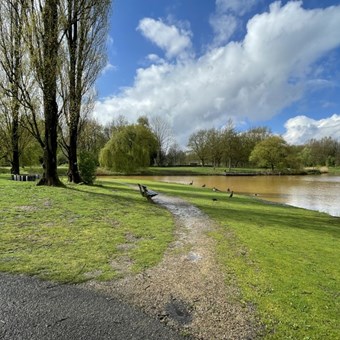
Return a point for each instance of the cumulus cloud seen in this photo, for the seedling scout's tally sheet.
(224, 26)
(300, 129)
(252, 79)
(226, 19)
(175, 41)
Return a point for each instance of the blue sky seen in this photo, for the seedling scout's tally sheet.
(199, 63)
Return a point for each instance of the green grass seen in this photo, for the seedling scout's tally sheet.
(284, 259)
(184, 171)
(334, 170)
(79, 233)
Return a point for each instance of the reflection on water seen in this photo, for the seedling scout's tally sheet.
(320, 193)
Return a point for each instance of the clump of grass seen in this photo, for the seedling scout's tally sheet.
(284, 259)
(75, 233)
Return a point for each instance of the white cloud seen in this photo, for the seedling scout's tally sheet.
(175, 41)
(253, 79)
(108, 68)
(300, 129)
(225, 21)
(155, 59)
(224, 26)
(238, 7)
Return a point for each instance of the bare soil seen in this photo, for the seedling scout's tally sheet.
(187, 290)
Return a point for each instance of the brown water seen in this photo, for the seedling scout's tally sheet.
(321, 193)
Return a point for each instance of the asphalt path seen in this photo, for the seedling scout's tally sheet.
(33, 309)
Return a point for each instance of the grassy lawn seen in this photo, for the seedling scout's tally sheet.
(79, 233)
(285, 259)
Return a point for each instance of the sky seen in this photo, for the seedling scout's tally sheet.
(200, 63)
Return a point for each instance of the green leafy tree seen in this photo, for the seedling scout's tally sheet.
(87, 167)
(129, 149)
(271, 152)
(247, 141)
(92, 138)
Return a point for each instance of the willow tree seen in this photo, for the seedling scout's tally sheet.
(11, 53)
(129, 149)
(85, 23)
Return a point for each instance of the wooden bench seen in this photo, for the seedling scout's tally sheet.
(24, 178)
(145, 192)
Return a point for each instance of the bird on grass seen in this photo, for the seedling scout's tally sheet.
(214, 199)
(203, 186)
(215, 189)
(191, 183)
(231, 194)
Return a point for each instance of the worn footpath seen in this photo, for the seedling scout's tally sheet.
(187, 290)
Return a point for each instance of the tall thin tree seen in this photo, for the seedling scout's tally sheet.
(83, 53)
(11, 27)
(42, 40)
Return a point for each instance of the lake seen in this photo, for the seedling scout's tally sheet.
(318, 192)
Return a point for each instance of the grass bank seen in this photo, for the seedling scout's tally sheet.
(79, 233)
(207, 171)
(181, 171)
(285, 259)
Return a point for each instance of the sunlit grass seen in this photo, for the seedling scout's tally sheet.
(77, 233)
(285, 259)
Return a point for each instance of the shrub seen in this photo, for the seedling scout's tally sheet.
(87, 167)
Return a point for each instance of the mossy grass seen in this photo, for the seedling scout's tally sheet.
(284, 259)
(79, 232)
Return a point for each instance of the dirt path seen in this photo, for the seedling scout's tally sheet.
(186, 290)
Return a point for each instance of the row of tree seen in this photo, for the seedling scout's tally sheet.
(139, 145)
(258, 146)
(51, 52)
(125, 147)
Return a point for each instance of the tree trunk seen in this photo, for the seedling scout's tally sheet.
(15, 169)
(49, 72)
(73, 170)
(50, 175)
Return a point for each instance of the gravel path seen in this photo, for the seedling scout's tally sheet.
(187, 290)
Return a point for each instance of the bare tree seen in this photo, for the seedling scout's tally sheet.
(11, 27)
(198, 144)
(162, 130)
